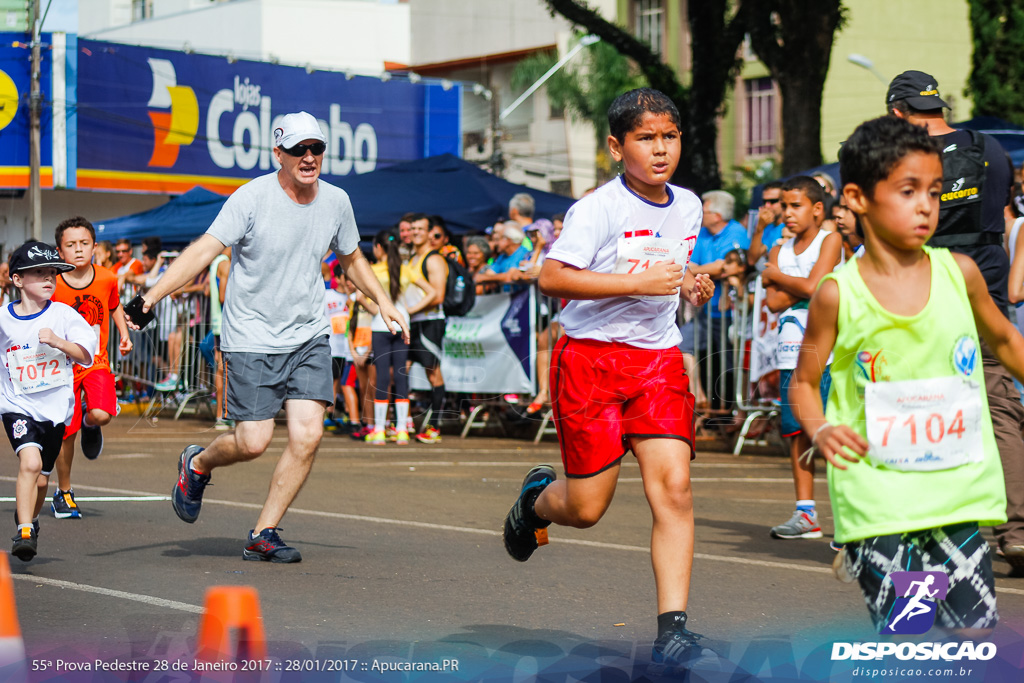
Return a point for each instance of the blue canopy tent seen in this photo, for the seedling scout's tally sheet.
(177, 222)
(467, 197)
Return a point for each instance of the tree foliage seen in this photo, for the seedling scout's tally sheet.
(997, 28)
(795, 43)
(717, 29)
(584, 88)
(792, 37)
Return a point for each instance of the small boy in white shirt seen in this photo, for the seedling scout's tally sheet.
(40, 339)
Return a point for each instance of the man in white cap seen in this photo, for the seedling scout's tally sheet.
(274, 336)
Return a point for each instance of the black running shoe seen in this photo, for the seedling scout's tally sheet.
(521, 526)
(267, 546)
(92, 440)
(187, 497)
(25, 542)
(678, 647)
(35, 523)
(64, 505)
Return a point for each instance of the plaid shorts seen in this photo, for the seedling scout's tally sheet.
(958, 550)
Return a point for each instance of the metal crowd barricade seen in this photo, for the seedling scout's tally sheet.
(714, 356)
(705, 356)
(554, 305)
(147, 365)
(489, 406)
(746, 387)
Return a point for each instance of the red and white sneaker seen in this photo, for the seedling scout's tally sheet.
(430, 434)
(801, 525)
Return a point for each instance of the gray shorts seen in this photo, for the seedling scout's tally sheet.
(260, 383)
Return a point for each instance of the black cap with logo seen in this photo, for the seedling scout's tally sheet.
(38, 255)
(918, 89)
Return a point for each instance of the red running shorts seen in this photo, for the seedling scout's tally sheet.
(604, 393)
(96, 387)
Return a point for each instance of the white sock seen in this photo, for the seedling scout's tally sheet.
(24, 526)
(402, 414)
(806, 505)
(380, 415)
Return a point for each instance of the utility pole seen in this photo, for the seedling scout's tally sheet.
(35, 193)
(497, 161)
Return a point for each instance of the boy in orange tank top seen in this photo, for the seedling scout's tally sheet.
(93, 292)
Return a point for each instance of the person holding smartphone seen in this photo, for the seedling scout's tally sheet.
(281, 222)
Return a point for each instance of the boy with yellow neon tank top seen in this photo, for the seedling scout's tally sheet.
(617, 376)
(914, 468)
(792, 274)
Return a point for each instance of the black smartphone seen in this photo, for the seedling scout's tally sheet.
(133, 309)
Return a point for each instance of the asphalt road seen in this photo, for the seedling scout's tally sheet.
(403, 564)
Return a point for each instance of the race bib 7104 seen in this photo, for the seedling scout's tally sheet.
(924, 424)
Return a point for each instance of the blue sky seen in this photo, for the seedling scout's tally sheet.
(63, 15)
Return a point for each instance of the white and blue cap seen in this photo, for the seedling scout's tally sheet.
(34, 254)
(292, 129)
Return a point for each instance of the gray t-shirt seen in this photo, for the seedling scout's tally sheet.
(274, 301)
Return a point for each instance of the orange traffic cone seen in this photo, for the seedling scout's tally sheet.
(12, 647)
(227, 609)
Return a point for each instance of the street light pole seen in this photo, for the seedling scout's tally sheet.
(865, 63)
(584, 42)
(34, 138)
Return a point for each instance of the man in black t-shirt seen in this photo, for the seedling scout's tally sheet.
(977, 180)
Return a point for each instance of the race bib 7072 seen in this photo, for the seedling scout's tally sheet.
(38, 369)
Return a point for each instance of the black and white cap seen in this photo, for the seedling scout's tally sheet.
(38, 255)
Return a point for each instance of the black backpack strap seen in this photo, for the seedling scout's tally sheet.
(970, 239)
(423, 263)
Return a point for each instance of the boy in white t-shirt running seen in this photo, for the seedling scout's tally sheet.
(617, 377)
(40, 339)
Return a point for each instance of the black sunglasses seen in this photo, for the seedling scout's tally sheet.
(317, 148)
(773, 201)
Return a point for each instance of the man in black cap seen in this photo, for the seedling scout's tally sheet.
(976, 187)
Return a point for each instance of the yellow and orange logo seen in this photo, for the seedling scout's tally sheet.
(178, 125)
(8, 100)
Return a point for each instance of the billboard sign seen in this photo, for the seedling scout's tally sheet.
(151, 120)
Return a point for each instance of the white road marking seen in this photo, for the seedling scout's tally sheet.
(105, 499)
(435, 527)
(146, 599)
(735, 480)
(625, 465)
